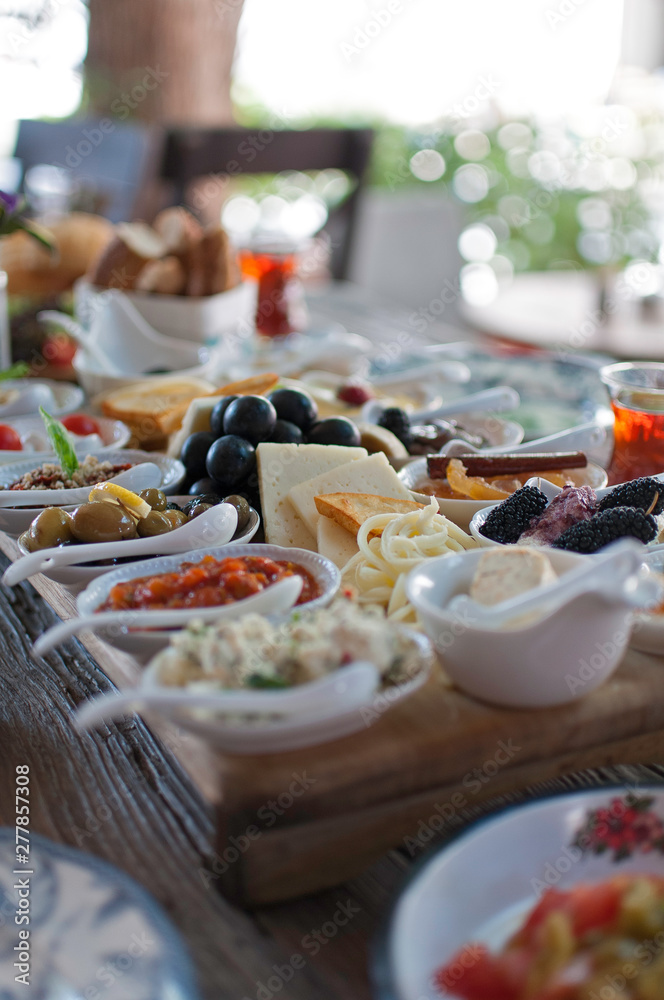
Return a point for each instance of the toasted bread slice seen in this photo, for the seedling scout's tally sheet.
(147, 407)
(351, 510)
(255, 385)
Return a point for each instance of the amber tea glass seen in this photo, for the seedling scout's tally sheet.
(637, 401)
(280, 308)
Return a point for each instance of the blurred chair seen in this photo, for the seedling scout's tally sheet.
(112, 165)
(193, 153)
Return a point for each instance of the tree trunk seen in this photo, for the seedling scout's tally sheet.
(163, 61)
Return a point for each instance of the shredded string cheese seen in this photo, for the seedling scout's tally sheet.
(378, 571)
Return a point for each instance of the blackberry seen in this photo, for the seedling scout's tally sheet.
(641, 493)
(604, 528)
(507, 522)
(396, 420)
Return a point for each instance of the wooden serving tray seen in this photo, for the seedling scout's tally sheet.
(295, 823)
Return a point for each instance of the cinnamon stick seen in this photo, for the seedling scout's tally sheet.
(508, 465)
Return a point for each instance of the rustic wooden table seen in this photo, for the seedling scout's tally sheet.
(123, 793)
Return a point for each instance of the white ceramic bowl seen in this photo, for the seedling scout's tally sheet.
(58, 398)
(480, 886)
(557, 659)
(144, 644)
(205, 320)
(15, 520)
(278, 735)
(648, 632)
(113, 435)
(76, 578)
(462, 512)
(481, 515)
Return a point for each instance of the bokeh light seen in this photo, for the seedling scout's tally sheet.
(477, 243)
(472, 144)
(427, 165)
(479, 284)
(471, 183)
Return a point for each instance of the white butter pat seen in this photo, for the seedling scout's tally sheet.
(504, 574)
(335, 543)
(283, 466)
(370, 475)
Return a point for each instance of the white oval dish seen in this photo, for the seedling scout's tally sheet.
(462, 512)
(76, 578)
(57, 398)
(15, 520)
(113, 436)
(550, 489)
(551, 661)
(480, 885)
(144, 644)
(278, 735)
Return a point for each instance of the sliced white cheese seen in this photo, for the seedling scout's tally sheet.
(501, 575)
(370, 475)
(282, 466)
(335, 543)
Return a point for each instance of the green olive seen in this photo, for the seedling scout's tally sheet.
(155, 523)
(28, 541)
(242, 507)
(52, 527)
(155, 498)
(102, 522)
(176, 517)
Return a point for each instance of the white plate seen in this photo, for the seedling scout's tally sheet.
(481, 515)
(143, 645)
(15, 520)
(94, 932)
(480, 886)
(64, 397)
(76, 578)
(266, 735)
(113, 435)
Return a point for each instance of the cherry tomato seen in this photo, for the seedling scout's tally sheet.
(59, 350)
(79, 423)
(9, 439)
(474, 974)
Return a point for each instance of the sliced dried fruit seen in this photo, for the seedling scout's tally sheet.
(473, 487)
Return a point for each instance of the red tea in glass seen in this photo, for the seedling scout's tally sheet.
(637, 401)
(280, 308)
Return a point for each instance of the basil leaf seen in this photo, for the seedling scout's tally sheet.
(266, 681)
(62, 443)
(15, 371)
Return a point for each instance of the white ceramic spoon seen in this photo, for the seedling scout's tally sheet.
(215, 526)
(276, 598)
(495, 400)
(139, 477)
(82, 338)
(347, 688)
(584, 438)
(447, 369)
(609, 574)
